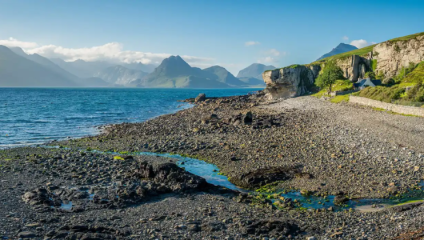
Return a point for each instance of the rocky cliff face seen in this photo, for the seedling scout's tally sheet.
(355, 67)
(290, 81)
(391, 56)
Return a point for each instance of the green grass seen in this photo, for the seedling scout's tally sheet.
(412, 77)
(405, 38)
(408, 202)
(374, 64)
(339, 99)
(340, 85)
(118, 158)
(416, 75)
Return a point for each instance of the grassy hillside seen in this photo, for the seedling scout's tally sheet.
(340, 85)
(406, 88)
(366, 50)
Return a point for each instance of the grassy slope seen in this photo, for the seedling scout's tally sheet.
(340, 85)
(398, 91)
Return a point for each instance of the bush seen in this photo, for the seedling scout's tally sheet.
(370, 75)
(374, 64)
(389, 81)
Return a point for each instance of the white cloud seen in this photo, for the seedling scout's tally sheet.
(12, 42)
(271, 56)
(345, 38)
(360, 43)
(251, 43)
(113, 52)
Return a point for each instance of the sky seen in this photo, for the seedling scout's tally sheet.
(230, 33)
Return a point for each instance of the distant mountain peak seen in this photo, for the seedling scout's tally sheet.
(254, 70)
(341, 48)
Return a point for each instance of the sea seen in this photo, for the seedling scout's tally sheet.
(30, 116)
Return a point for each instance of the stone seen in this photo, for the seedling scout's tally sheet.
(248, 118)
(27, 234)
(291, 81)
(200, 98)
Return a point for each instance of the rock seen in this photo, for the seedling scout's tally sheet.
(406, 207)
(172, 176)
(272, 227)
(200, 98)
(262, 177)
(288, 82)
(27, 234)
(340, 199)
(391, 56)
(248, 118)
(311, 238)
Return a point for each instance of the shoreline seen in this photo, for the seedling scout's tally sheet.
(254, 143)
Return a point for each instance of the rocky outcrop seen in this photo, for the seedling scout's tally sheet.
(391, 56)
(297, 80)
(354, 67)
(290, 81)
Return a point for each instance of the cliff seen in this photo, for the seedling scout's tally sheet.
(290, 81)
(385, 58)
(394, 54)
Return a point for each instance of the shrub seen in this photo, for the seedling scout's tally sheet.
(370, 75)
(374, 64)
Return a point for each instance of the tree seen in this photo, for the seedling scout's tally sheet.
(329, 76)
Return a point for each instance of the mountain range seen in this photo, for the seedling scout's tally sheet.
(252, 75)
(19, 69)
(341, 48)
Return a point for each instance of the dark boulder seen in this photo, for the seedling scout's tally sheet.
(262, 177)
(200, 98)
(248, 118)
(172, 176)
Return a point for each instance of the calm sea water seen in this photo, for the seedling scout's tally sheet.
(37, 115)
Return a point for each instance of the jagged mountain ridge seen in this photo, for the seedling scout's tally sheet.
(174, 72)
(341, 48)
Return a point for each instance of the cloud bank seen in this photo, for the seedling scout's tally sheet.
(112, 52)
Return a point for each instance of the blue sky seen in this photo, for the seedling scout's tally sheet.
(206, 32)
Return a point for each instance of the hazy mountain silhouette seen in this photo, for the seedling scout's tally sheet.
(19, 71)
(174, 72)
(120, 75)
(341, 48)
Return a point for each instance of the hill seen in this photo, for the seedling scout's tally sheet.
(19, 71)
(384, 60)
(341, 48)
(174, 72)
(255, 70)
(224, 76)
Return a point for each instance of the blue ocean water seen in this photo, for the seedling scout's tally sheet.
(36, 115)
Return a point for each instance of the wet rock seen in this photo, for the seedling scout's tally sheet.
(200, 98)
(262, 177)
(172, 176)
